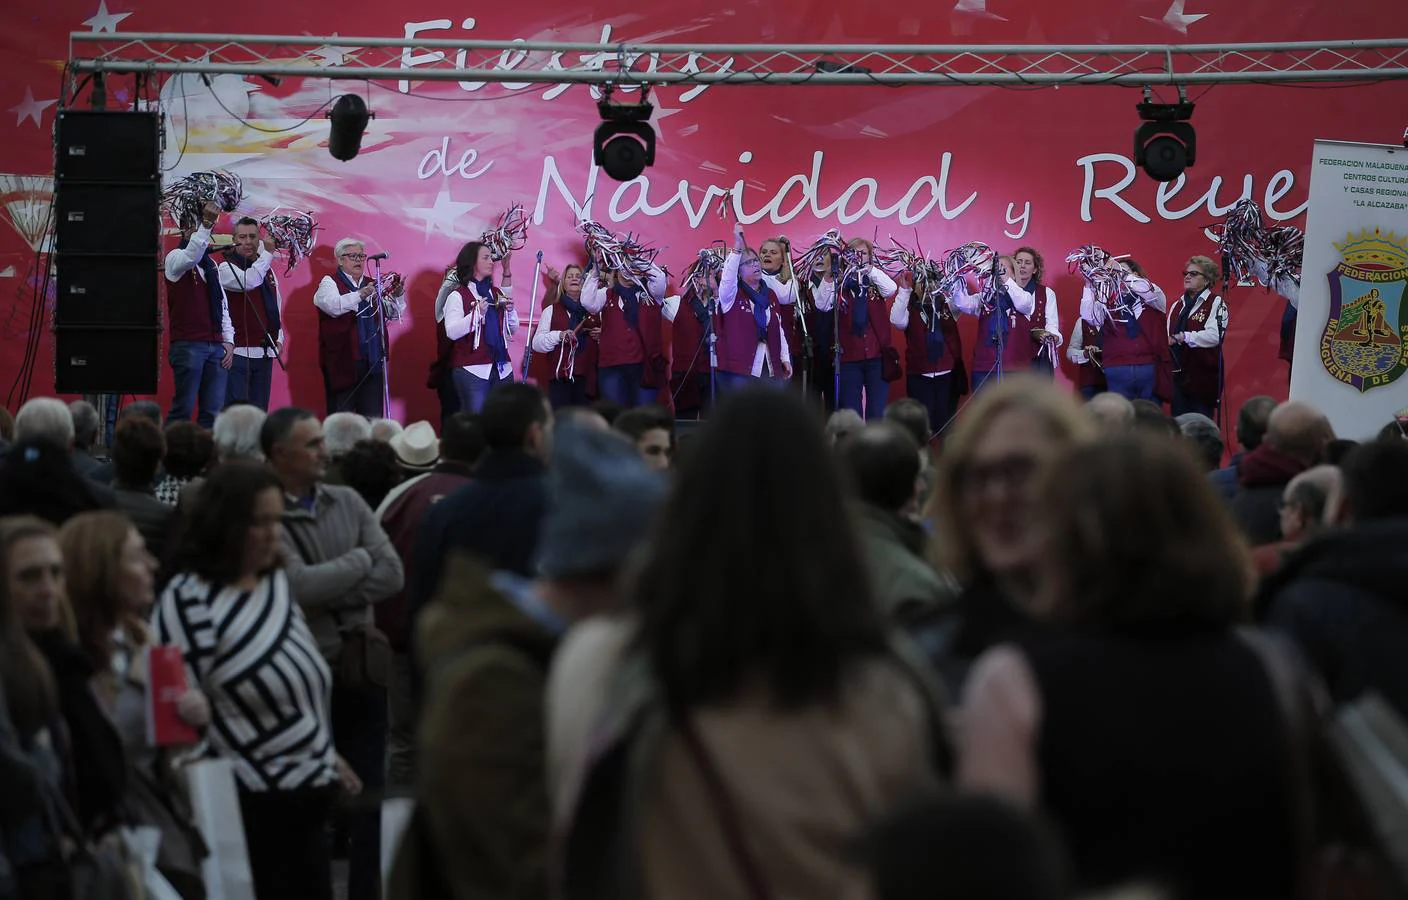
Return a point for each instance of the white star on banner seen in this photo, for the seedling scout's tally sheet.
(30, 108)
(104, 21)
(332, 56)
(1176, 19)
(978, 8)
(443, 215)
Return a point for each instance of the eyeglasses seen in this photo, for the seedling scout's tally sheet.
(1193, 275)
(1010, 472)
(355, 257)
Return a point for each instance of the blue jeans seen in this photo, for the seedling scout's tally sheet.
(249, 382)
(936, 393)
(1089, 391)
(864, 376)
(195, 367)
(621, 385)
(1131, 382)
(732, 383)
(473, 390)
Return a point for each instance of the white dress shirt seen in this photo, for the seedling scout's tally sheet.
(1210, 335)
(728, 294)
(899, 317)
(233, 278)
(459, 324)
(183, 259)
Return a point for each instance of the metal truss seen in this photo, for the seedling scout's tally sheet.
(423, 59)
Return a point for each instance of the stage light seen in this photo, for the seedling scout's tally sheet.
(1165, 144)
(349, 117)
(623, 144)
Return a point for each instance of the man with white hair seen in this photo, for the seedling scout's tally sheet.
(85, 435)
(37, 475)
(383, 430)
(342, 431)
(236, 433)
(350, 349)
(1112, 412)
(45, 419)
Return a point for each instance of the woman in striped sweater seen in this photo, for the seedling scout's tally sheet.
(248, 648)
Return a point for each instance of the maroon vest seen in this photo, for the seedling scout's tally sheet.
(876, 337)
(687, 341)
(1091, 375)
(247, 315)
(338, 349)
(572, 362)
(738, 336)
(916, 333)
(188, 310)
(465, 353)
(1018, 349)
(620, 341)
(1119, 348)
(1199, 375)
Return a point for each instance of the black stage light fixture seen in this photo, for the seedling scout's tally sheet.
(1165, 144)
(623, 144)
(349, 117)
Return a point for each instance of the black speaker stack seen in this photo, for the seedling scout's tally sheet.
(107, 252)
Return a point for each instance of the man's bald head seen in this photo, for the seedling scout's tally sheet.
(1299, 430)
(1111, 411)
(1310, 501)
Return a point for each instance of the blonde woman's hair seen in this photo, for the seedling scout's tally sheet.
(1206, 266)
(1064, 422)
(92, 544)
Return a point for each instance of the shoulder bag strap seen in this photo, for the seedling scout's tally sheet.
(725, 811)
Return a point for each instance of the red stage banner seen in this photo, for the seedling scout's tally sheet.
(933, 165)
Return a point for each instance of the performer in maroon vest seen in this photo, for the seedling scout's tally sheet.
(350, 349)
(201, 334)
(567, 334)
(751, 343)
(864, 324)
(254, 301)
(1084, 351)
(1197, 322)
(1004, 325)
(630, 361)
(933, 349)
(775, 257)
(1131, 341)
(440, 377)
(688, 316)
(480, 318)
(1029, 271)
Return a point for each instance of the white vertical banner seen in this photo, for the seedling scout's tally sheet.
(1351, 356)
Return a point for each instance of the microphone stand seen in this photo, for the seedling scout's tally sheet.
(532, 308)
(385, 344)
(836, 332)
(1000, 336)
(711, 337)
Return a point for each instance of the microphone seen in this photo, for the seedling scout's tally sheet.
(382, 255)
(540, 256)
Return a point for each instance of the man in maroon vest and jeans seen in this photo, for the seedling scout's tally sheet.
(252, 292)
(201, 335)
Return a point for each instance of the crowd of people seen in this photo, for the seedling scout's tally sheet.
(1075, 650)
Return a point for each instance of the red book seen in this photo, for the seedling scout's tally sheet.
(166, 685)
